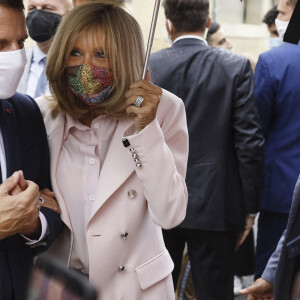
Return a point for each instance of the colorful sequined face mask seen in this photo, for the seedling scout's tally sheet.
(90, 83)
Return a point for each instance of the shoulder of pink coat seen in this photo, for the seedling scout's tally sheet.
(44, 104)
(169, 103)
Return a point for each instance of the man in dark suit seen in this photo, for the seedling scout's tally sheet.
(226, 147)
(277, 93)
(26, 228)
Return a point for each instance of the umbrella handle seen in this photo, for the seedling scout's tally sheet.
(151, 37)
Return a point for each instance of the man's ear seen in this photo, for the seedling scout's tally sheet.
(170, 27)
(208, 22)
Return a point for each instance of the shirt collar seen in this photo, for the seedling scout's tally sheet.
(38, 54)
(190, 36)
(70, 123)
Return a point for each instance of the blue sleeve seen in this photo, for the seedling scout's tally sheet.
(264, 94)
(270, 270)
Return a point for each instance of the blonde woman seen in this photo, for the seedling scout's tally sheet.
(119, 149)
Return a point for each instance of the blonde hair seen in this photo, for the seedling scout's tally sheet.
(123, 45)
(118, 2)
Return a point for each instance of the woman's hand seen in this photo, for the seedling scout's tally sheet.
(49, 200)
(146, 113)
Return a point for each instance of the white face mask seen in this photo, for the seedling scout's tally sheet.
(281, 27)
(275, 42)
(12, 64)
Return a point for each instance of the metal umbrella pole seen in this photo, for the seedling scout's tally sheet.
(151, 37)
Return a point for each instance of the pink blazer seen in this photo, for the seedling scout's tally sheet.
(127, 256)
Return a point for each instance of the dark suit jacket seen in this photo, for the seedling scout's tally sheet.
(226, 142)
(277, 91)
(279, 269)
(26, 149)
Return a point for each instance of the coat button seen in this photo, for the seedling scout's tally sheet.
(138, 165)
(134, 155)
(124, 235)
(125, 143)
(121, 268)
(132, 150)
(132, 194)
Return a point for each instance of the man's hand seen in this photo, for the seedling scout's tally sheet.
(248, 226)
(46, 194)
(261, 289)
(50, 202)
(19, 213)
(21, 185)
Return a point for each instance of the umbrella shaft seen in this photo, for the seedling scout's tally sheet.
(151, 37)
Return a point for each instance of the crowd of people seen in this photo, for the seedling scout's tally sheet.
(147, 187)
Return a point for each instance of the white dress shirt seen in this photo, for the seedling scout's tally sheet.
(190, 36)
(36, 69)
(83, 153)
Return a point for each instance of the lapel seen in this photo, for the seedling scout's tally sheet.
(11, 138)
(55, 130)
(117, 167)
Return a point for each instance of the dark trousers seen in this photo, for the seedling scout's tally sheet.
(244, 257)
(271, 226)
(211, 254)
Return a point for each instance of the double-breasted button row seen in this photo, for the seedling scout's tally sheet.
(121, 268)
(124, 235)
(132, 194)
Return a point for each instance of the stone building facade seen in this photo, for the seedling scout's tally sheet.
(241, 21)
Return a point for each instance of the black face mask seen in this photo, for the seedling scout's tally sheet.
(42, 25)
